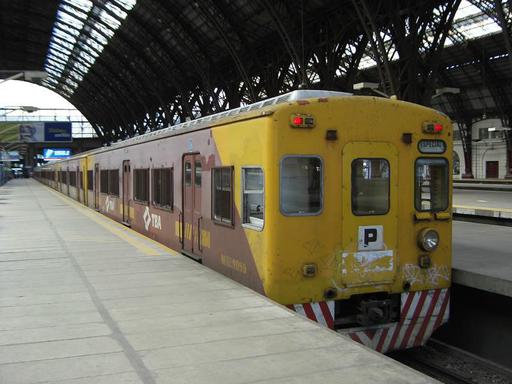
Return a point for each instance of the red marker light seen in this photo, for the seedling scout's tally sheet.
(302, 120)
(297, 120)
(438, 128)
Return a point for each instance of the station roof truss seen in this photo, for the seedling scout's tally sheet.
(133, 66)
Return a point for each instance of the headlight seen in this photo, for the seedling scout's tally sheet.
(428, 239)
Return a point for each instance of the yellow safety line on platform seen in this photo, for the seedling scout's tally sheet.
(117, 229)
(483, 208)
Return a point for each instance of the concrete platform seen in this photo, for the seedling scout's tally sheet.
(488, 202)
(86, 300)
(482, 256)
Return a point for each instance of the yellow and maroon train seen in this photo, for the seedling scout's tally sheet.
(337, 206)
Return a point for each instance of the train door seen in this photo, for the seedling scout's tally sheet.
(192, 186)
(126, 192)
(370, 214)
(67, 181)
(78, 184)
(97, 186)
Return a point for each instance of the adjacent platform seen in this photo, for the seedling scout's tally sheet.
(86, 300)
(483, 202)
(482, 256)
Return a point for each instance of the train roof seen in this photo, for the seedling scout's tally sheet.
(231, 115)
(260, 108)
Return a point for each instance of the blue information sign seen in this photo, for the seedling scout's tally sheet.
(56, 153)
(57, 131)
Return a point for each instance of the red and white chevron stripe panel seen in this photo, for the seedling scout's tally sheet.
(421, 313)
(321, 312)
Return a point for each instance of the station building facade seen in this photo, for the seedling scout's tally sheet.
(489, 150)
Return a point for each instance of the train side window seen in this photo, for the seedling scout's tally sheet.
(301, 191)
(162, 187)
(90, 180)
(113, 180)
(72, 178)
(141, 185)
(223, 194)
(370, 187)
(104, 181)
(432, 184)
(253, 197)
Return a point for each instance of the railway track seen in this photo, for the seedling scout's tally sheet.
(451, 365)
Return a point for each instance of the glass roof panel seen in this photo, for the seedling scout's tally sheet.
(84, 34)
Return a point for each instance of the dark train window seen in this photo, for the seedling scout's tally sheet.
(162, 181)
(370, 187)
(113, 180)
(223, 194)
(90, 180)
(188, 173)
(301, 185)
(197, 173)
(104, 181)
(141, 185)
(431, 191)
(64, 177)
(80, 179)
(72, 178)
(253, 197)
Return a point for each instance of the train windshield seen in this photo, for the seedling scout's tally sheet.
(431, 184)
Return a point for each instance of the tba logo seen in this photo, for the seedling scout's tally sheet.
(151, 219)
(109, 204)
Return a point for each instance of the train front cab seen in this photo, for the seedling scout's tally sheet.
(358, 209)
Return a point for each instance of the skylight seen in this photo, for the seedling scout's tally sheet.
(469, 23)
(81, 31)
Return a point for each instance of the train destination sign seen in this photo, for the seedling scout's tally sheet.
(432, 146)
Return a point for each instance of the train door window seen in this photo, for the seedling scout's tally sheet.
(431, 192)
(197, 173)
(104, 181)
(301, 190)
(141, 185)
(113, 180)
(223, 194)
(188, 173)
(162, 187)
(253, 197)
(370, 187)
(90, 180)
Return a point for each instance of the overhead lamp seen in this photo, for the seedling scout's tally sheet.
(29, 108)
(371, 86)
(445, 91)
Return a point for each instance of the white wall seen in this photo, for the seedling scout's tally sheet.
(483, 150)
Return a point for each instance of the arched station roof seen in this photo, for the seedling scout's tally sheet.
(136, 65)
